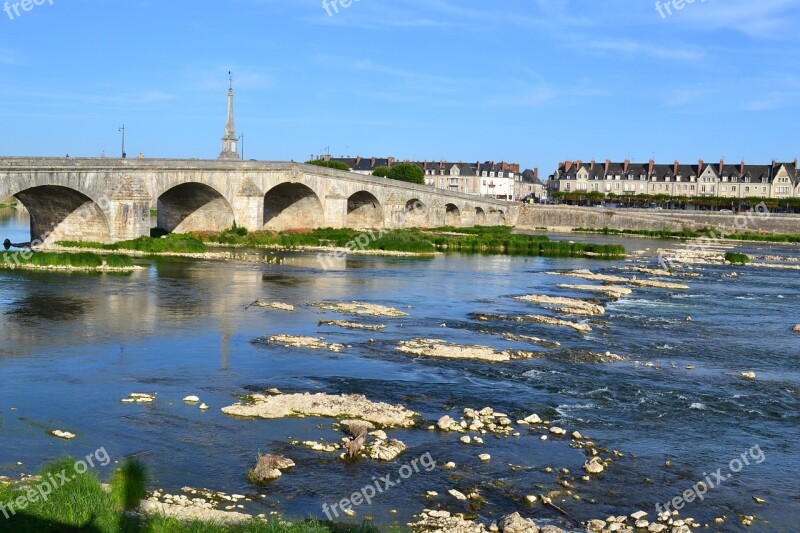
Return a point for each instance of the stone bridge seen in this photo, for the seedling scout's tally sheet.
(108, 200)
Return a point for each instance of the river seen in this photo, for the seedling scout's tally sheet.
(73, 345)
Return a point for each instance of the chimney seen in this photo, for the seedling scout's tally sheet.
(358, 160)
(721, 165)
(741, 169)
(795, 163)
(425, 165)
(567, 166)
(650, 167)
(503, 166)
(675, 168)
(700, 165)
(578, 164)
(608, 165)
(514, 167)
(536, 173)
(774, 164)
(593, 162)
(373, 162)
(627, 164)
(390, 161)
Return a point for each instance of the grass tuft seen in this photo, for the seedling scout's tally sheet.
(129, 484)
(736, 259)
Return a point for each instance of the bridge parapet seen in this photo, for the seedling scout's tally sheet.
(111, 199)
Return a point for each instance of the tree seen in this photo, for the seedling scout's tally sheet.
(407, 172)
(336, 165)
(381, 172)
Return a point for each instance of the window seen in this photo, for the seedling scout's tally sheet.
(724, 188)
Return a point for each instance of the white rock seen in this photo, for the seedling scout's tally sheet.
(748, 375)
(485, 457)
(191, 399)
(203, 407)
(533, 419)
(66, 435)
(457, 495)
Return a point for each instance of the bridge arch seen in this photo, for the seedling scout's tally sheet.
(191, 207)
(452, 215)
(364, 210)
(59, 213)
(416, 214)
(480, 216)
(291, 206)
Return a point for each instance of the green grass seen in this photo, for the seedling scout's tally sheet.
(49, 259)
(83, 260)
(656, 234)
(688, 234)
(119, 261)
(480, 239)
(83, 505)
(736, 259)
(172, 243)
(760, 237)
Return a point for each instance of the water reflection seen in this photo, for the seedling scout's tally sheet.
(15, 225)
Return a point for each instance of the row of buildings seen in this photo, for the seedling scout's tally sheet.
(503, 181)
(741, 180)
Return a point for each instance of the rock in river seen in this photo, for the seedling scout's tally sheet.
(323, 405)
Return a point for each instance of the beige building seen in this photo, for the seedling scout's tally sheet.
(777, 180)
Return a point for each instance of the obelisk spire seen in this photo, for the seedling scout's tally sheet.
(230, 149)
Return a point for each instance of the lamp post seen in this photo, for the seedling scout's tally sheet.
(122, 130)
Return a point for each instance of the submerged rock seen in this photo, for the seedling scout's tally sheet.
(360, 308)
(613, 291)
(515, 523)
(797, 328)
(593, 466)
(268, 467)
(280, 306)
(748, 375)
(350, 325)
(323, 405)
(66, 435)
(443, 521)
(588, 274)
(312, 343)
(445, 350)
(139, 397)
(569, 306)
(535, 319)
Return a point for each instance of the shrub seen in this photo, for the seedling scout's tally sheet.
(381, 172)
(129, 484)
(407, 172)
(736, 259)
(336, 165)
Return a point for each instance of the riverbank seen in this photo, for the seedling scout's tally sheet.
(710, 233)
(340, 242)
(473, 334)
(67, 262)
(66, 496)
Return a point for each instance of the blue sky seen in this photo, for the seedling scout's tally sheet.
(531, 81)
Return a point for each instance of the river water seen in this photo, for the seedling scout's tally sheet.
(73, 345)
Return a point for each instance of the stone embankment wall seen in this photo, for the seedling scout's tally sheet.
(565, 218)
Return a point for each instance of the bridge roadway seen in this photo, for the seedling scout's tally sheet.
(108, 200)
